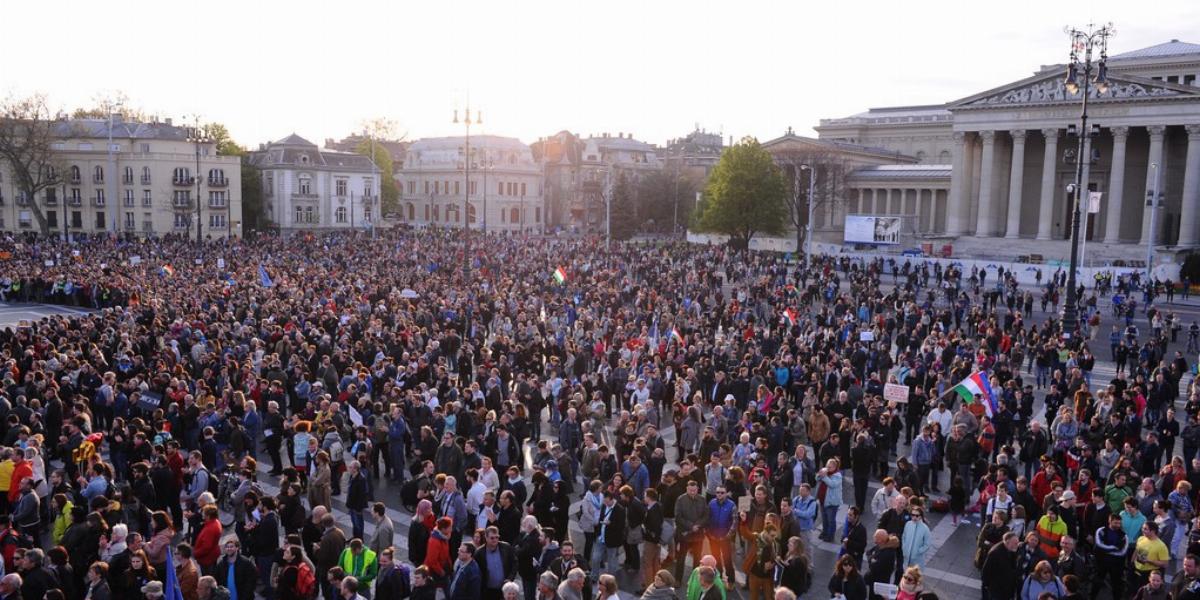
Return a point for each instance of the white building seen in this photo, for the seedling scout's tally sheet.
(505, 184)
(146, 186)
(1004, 157)
(305, 187)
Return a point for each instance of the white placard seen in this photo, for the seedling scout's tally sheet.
(886, 590)
(1094, 202)
(135, 260)
(866, 336)
(220, 263)
(199, 261)
(48, 262)
(894, 392)
(75, 253)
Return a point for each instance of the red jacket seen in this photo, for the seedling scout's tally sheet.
(21, 471)
(1041, 486)
(208, 544)
(437, 554)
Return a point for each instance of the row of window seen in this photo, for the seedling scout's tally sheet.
(503, 188)
(129, 222)
(311, 215)
(180, 174)
(304, 185)
(512, 215)
(216, 199)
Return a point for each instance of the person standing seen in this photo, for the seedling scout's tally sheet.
(610, 537)
(236, 571)
(831, 489)
(1000, 575)
(465, 579)
(385, 530)
(357, 496)
(273, 436)
(652, 528)
(722, 518)
(691, 518)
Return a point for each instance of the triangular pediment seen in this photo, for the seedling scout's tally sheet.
(1047, 88)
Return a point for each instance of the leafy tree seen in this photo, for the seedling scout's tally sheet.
(225, 144)
(254, 217)
(745, 195)
(27, 134)
(389, 193)
(624, 208)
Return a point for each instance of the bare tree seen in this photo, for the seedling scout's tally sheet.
(27, 134)
(829, 167)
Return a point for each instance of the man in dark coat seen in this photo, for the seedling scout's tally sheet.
(855, 540)
(611, 529)
(465, 581)
(1000, 575)
(882, 559)
(497, 564)
(245, 576)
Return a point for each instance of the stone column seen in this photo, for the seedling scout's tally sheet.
(1016, 180)
(1049, 164)
(1116, 187)
(1190, 203)
(984, 225)
(1157, 134)
(956, 201)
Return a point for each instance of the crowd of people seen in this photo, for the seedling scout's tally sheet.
(558, 418)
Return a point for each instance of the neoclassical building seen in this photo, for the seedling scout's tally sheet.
(305, 187)
(504, 180)
(1005, 156)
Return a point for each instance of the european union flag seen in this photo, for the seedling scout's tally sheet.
(263, 277)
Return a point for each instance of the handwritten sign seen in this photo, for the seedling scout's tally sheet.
(894, 392)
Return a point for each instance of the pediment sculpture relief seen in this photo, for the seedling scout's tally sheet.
(1054, 91)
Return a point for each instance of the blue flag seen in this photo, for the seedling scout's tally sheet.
(263, 277)
(171, 589)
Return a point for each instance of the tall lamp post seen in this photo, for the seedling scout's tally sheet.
(1082, 72)
(198, 136)
(466, 121)
(812, 179)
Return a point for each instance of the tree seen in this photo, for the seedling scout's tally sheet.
(254, 217)
(624, 208)
(659, 195)
(224, 142)
(106, 104)
(745, 195)
(27, 133)
(828, 167)
(389, 193)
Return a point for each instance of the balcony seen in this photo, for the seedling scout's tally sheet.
(184, 181)
(218, 182)
(181, 204)
(51, 201)
(218, 204)
(145, 180)
(98, 202)
(300, 196)
(97, 179)
(75, 180)
(75, 201)
(127, 180)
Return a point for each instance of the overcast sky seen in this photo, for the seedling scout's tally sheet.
(653, 68)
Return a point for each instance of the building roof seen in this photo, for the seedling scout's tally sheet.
(99, 128)
(834, 145)
(621, 143)
(477, 141)
(901, 172)
(1166, 49)
(294, 150)
(293, 140)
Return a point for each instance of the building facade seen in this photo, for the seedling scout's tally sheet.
(307, 188)
(580, 172)
(502, 190)
(1005, 156)
(149, 184)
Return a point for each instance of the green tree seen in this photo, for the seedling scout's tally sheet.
(225, 144)
(389, 191)
(624, 208)
(745, 195)
(254, 217)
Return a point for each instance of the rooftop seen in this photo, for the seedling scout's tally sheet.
(1163, 50)
(902, 172)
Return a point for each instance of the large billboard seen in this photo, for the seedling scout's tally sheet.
(862, 229)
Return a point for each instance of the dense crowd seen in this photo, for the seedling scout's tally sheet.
(558, 418)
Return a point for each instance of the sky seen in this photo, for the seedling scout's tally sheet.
(651, 68)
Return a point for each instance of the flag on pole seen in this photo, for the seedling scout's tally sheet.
(676, 336)
(171, 589)
(977, 388)
(263, 278)
(168, 270)
(560, 276)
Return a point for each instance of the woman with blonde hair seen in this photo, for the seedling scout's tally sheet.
(910, 584)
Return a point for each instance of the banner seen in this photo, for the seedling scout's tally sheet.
(861, 229)
(894, 392)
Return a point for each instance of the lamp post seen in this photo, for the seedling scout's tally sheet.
(466, 121)
(1154, 200)
(1082, 68)
(812, 178)
(198, 136)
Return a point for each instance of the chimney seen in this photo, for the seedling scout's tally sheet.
(168, 121)
(620, 134)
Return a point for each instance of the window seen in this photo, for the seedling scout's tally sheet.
(145, 175)
(216, 199)
(181, 198)
(77, 219)
(216, 176)
(522, 189)
(473, 189)
(216, 221)
(437, 187)
(298, 216)
(426, 187)
(270, 184)
(76, 196)
(75, 176)
(514, 215)
(457, 191)
(98, 174)
(500, 187)
(25, 218)
(1172, 79)
(130, 223)
(412, 187)
(52, 218)
(1189, 80)
(129, 198)
(180, 221)
(411, 212)
(537, 214)
(127, 178)
(435, 213)
(340, 214)
(340, 186)
(310, 215)
(99, 197)
(182, 175)
(147, 222)
(51, 196)
(944, 157)
(305, 185)
(427, 212)
(147, 198)
(368, 188)
(367, 214)
(144, 148)
(100, 223)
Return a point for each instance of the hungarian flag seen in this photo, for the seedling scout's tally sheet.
(676, 337)
(977, 388)
(789, 314)
(168, 270)
(560, 276)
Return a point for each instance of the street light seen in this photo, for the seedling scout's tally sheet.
(466, 121)
(812, 178)
(1082, 72)
(1154, 200)
(198, 136)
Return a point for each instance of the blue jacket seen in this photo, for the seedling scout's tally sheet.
(720, 517)
(465, 583)
(638, 479)
(915, 543)
(923, 451)
(805, 510)
(833, 492)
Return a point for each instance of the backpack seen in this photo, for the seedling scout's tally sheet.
(214, 484)
(306, 582)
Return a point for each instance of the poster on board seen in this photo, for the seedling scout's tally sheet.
(894, 392)
(861, 229)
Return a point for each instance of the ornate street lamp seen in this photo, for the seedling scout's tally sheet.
(1082, 73)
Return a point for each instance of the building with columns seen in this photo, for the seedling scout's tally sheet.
(1001, 159)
